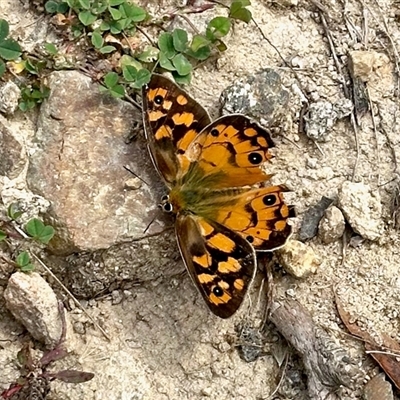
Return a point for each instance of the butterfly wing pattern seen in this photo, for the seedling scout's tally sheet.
(215, 176)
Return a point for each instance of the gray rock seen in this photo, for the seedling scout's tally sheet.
(32, 302)
(77, 164)
(332, 225)
(10, 94)
(362, 208)
(11, 156)
(259, 95)
(322, 116)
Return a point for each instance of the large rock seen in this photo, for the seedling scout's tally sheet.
(77, 162)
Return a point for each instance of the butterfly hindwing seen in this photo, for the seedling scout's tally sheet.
(260, 215)
(220, 262)
(172, 120)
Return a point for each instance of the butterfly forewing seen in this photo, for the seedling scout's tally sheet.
(172, 120)
(232, 148)
(220, 262)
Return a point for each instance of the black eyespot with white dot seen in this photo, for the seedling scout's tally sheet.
(255, 158)
(158, 100)
(217, 291)
(214, 132)
(269, 200)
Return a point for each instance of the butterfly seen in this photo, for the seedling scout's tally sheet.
(214, 176)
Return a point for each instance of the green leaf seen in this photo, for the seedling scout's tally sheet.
(39, 231)
(51, 7)
(85, 4)
(165, 62)
(47, 234)
(199, 48)
(116, 2)
(104, 26)
(115, 14)
(23, 259)
(24, 262)
(2, 68)
(237, 10)
(217, 28)
(221, 46)
(129, 73)
(107, 49)
(201, 54)
(182, 64)
(128, 60)
(142, 78)
(126, 23)
(183, 80)
(148, 55)
(10, 49)
(97, 40)
(62, 8)
(180, 39)
(13, 211)
(111, 79)
(115, 27)
(31, 68)
(117, 91)
(3, 235)
(166, 44)
(4, 29)
(135, 13)
(99, 8)
(87, 18)
(50, 48)
(34, 227)
(27, 268)
(198, 42)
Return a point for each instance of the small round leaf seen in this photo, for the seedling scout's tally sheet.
(180, 39)
(182, 64)
(10, 49)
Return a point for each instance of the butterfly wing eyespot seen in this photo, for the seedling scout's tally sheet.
(220, 262)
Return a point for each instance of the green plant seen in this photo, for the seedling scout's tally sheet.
(39, 231)
(23, 261)
(9, 48)
(32, 96)
(109, 25)
(34, 228)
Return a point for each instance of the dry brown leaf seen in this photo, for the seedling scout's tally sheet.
(388, 362)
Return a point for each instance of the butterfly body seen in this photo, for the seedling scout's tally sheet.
(213, 171)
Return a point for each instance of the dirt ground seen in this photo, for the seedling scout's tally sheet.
(164, 343)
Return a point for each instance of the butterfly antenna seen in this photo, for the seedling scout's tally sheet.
(137, 176)
(148, 226)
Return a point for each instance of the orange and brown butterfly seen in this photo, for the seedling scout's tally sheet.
(212, 170)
